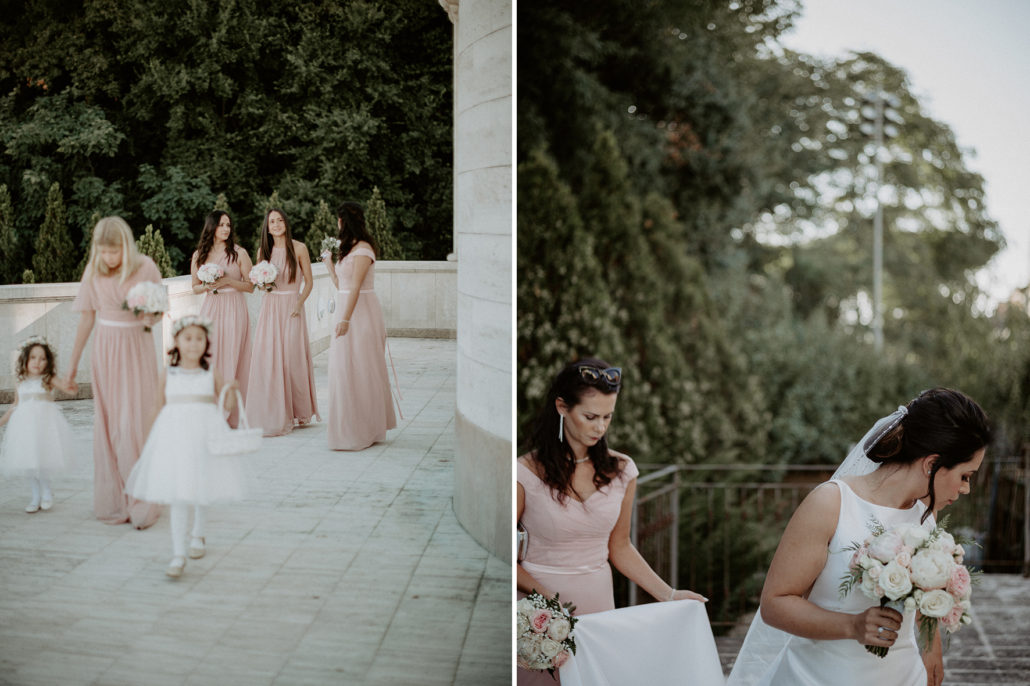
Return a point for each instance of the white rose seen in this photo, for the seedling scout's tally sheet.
(529, 649)
(523, 624)
(895, 581)
(910, 604)
(549, 648)
(914, 536)
(944, 541)
(526, 607)
(559, 629)
(865, 562)
(869, 586)
(875, 570)
(931, 569)
(885, 546)
(936, 603)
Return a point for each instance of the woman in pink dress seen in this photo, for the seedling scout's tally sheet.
(224, 302)
(575, 501)
(360, 403)
(281, 382)
(124, 367)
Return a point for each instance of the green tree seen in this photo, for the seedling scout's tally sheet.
(379, 226)
(222, 203)
(323, 225)
(153, 245)
(87, 244)
(54, 257)
(11, 264)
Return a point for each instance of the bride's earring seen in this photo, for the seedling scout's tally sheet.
(561, 428)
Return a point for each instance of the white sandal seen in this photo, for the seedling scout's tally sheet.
(197, 551)
(176, 567)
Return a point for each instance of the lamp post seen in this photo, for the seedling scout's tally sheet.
(880, 106)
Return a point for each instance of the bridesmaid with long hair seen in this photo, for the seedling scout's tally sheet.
(281, 382)
(224, 303)
(360, 404)
(124, 366)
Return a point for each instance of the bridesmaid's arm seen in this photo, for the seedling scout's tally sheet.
(526, 582)
(799, 559)
(327, 260)
(628, 560)
(304, 261)
(86, 321)
(198, 285)
(243, 259)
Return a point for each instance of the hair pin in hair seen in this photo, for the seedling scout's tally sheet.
(191, 320)
(31, 341)
(889, 422)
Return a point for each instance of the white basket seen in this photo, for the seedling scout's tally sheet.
(230, 441)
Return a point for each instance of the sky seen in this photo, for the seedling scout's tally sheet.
(969, 65)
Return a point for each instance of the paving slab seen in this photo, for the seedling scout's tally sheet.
(339, 567)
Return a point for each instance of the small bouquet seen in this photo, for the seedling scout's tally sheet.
(913, 568)
(263, 275)
(210, 273)
(544, 634)
(329, 246)
(146, 297)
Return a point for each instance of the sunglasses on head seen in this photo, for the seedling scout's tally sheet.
(611, 377)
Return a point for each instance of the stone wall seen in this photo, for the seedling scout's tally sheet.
(419, 299)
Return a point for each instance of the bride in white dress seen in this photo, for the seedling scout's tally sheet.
(805, 634)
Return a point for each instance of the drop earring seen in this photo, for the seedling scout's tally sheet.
(561, 428)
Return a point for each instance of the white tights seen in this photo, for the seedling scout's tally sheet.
(180, 514)
(40, 488)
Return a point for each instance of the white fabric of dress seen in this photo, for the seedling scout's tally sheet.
(658, 644)
(808, 662)
(37, 439)
(176, 465)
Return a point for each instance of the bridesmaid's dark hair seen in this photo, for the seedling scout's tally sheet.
(22, 366)
(940, 421)
(267, 242)
(554, 456)
(207, 237)
(353, 228)
(175, 357)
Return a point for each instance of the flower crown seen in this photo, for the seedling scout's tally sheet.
(31, 341)
(191, 320)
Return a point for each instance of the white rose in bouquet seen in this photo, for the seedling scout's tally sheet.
(895, 580)
(885, 546)
(559, 629)
(209, 273)
(937, 603)
(914, 536)
(525, 607)
(931, 569)
(549, 647)
(263, 274)
(944, 542)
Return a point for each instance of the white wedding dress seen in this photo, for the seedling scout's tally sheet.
(770, 657)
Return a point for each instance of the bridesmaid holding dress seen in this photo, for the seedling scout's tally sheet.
(360, 403)
(575, 500)
(124, 367)
(224, 303)
(281, 382)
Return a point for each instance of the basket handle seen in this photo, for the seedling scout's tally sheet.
(239, 403)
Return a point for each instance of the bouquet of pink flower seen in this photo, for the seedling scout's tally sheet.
(146, 297)
(210, 273)
(544, 634)
(913, 568)
(263, 275)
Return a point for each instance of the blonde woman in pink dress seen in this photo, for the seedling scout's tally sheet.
(575, 501)
(124, 366)
(281, 381)
(360, 403)
(224, 302)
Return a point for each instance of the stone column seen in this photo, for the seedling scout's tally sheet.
(483, 241)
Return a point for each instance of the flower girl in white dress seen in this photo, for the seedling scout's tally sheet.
(176, 466)
(38, 440)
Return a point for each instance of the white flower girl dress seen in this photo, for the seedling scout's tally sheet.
(38, 439)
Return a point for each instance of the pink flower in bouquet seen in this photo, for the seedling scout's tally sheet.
(560, 659)
(885, 546)
(960, 584)
(137, 301)
(904, 558)
(953, 619)
(539, 620)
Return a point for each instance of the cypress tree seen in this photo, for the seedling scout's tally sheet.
(10, 259)
(323, 225)
(379, 226)
(28, 277)
(222, 203)
(153, 245)
(54, 258)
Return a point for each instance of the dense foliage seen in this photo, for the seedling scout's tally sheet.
(152, 110)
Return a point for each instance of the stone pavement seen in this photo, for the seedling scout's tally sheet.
(340, 568)
(994, 650)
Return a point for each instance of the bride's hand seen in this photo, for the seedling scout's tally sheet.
(867, 625)
(688, 595)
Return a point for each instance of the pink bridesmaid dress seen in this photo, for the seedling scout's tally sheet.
(568, 545)
(230, 341)
(360, 403)
(125, 381)
(281, 382)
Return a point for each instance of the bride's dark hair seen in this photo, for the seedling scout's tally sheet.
(554, 456)
(940, 421)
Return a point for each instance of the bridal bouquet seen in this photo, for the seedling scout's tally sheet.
(209, 273)
(913, 568)
(544, 633)
(329, 245)
(146, 297)
(263, 275)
